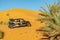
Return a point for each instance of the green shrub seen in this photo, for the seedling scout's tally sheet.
(1, 34)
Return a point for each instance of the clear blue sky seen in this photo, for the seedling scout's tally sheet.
(27, 4)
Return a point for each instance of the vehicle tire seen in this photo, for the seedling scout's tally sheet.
(11, 26)
(28, 24)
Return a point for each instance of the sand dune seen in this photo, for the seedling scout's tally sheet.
(23, 33)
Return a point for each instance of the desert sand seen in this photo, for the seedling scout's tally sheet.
(22, 33)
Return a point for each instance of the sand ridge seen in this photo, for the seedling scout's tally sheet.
(23, 33)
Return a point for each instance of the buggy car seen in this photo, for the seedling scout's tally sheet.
(19, 22)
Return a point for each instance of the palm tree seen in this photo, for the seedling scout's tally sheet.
(52, 18)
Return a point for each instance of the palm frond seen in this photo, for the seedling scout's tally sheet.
(51, 17)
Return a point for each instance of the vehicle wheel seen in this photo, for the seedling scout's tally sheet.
(28, 24)
(11, 26)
